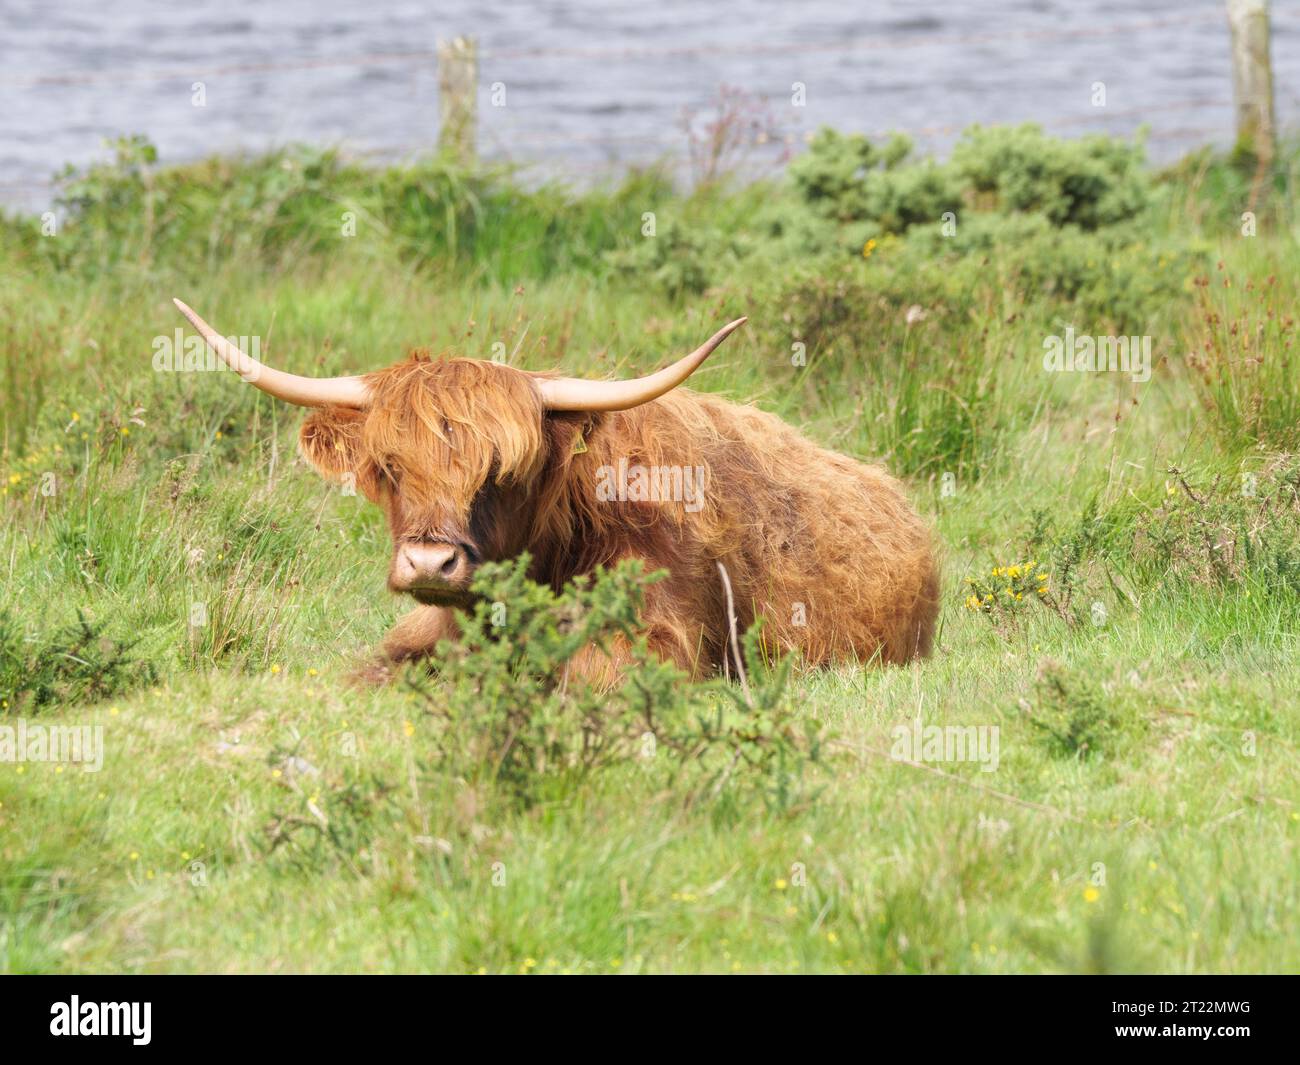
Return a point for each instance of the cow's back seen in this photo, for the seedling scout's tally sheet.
(826, 548)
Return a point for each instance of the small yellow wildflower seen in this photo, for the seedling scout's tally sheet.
(1091, 894)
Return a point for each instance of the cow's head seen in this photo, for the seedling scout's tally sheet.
(450, 449)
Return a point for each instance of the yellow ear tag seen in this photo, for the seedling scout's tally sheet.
(579, 445)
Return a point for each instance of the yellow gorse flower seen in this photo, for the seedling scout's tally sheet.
(1006, 585)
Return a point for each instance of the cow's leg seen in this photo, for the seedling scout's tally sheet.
(414, 637)
(671, 641)
(599, 667)
(671, 634)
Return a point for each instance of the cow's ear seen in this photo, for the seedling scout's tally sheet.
(330, 440)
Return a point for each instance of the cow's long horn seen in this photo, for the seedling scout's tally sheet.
(575, 393)
(304, 391)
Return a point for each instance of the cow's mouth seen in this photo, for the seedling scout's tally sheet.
(442, 595)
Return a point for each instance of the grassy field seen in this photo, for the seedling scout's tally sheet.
(256, 813)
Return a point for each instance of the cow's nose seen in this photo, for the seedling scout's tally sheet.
(420, 564)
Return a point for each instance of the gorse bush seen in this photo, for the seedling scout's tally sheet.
(846, 179)
(1225, 532)
(680, 260)
(78, 663)
(1071, 712)
(871, 190)
(1007, 591)
(338, 818)
(1234, 531)
(508, 711)
(1091, 182)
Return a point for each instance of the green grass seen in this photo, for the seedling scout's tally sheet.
(1166, 841)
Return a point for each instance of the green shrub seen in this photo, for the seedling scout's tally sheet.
(845, 178)
(508, 714)
(75, 664)
(682, 260)
(1236, 531)
(1072, 713)
(1091, 182)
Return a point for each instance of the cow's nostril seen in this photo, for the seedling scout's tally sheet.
(452, 562)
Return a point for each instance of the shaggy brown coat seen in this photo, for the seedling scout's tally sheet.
(825, 548)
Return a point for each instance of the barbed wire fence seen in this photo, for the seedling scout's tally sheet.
(457, 63)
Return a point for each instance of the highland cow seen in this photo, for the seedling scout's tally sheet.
(474, 461)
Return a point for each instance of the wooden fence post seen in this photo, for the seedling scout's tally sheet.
(1252, 80)
(458, 98)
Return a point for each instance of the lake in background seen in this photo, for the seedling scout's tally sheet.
(593, 87)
